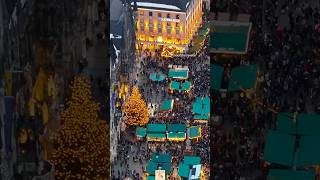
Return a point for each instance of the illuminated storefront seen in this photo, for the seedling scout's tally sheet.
(167, 23)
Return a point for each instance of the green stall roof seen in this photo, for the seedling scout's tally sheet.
(175, 85)
(180, 135)
(141, 132)
(201, 117)
(156, 128)
(186, 86)
(285, 123)
(243, 77)
(279, 148)
(194, 131)
(156, 76)
(309, 124)
(200, 109)
(183, 170)
(161, 158)
(277, 174)
(229, 37)
(197, 108)
(152, 167)
(179, 74)
(191, 160)
(177, 127)
(308, 151)
(167, 105)
(151, 178)
(216, 75)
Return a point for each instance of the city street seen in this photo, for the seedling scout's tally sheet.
(134, 155)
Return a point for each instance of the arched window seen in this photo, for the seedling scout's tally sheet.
(178, 17)
(168, 15)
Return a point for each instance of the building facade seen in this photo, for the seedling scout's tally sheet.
(167, 24)
(122, 63)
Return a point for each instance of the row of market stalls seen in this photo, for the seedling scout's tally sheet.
(179, 74)
(159, 167)
(201, 109)
(175, 72)
(295, 145)
(169, 132)
(242, 77)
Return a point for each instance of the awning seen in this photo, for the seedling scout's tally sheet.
(216, 74)
(141, 132)
(243, 77)
(157, 76)
(301, 124)
(151, 178)
(279, 148)
(285, 123)
(186, 86)
(178, 74)
(156, 137)
(309, 124)
(176, 136)
(156, 128)
(161, 158)
(229, 37)
(175, 85)
(308, 151)
(176, 128)
(167, 105)
(194, 132)
(191, 160)
(277, 174)
(183, 170)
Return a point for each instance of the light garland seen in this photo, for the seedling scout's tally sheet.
(82, 145)
(135, 109)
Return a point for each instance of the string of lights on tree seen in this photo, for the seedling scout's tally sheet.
(135, 109)
(82, 144)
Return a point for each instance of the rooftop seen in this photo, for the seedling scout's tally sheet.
(176, 5)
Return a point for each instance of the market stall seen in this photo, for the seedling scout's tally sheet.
(194, 132)
(191, 168)
(157, 77)
(167, 105)
(141, 132)
(176, 132)
(178, 73)
(156, 132)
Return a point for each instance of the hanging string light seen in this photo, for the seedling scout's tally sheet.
(82, 145)
(135, 109)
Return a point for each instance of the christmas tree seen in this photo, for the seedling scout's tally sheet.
(135, 109)
(82, 144)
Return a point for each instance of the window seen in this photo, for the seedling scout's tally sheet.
(159, 15)
(159, 30)
(168, 16)
(177, 24)
(150, 13)
(177, 17)
(168, 24)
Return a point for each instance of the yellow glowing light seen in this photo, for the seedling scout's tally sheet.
(135, 109)
(160, 39)
(83, 139)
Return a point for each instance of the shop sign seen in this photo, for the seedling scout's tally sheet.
(169, 20)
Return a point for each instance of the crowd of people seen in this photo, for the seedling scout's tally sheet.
(288, 80)
(154, 93)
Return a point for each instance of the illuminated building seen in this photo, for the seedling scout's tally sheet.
(166, 23)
